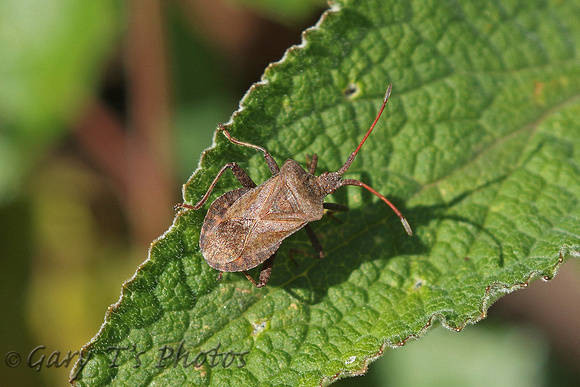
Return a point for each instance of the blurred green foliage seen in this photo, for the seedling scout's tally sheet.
(283, 11)
(501, 355)
(52, 56)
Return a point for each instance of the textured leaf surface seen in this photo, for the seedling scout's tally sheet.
(478, 147)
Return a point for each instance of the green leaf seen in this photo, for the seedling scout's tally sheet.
(478, 147)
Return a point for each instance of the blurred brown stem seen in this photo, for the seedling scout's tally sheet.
(139, 160)
(150, 180)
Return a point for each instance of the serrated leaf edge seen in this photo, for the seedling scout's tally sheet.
(334, 7)
(491, 291)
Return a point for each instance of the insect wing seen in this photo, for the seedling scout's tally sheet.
(252, 228)
(215, 214)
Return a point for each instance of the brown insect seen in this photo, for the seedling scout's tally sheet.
(245, 227)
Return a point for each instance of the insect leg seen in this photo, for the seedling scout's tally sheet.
(314, 240)
(335, 207)
(404, 221)
(244, 179)
(332, 208)
(265, 272)
(313, 164)
(269, 159)
(315, 243)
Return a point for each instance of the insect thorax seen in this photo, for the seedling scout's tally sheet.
(305, 188)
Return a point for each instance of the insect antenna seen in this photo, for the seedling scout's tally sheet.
(346, 165)
(404, 221)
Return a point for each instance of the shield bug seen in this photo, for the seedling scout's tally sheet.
(245, 227)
